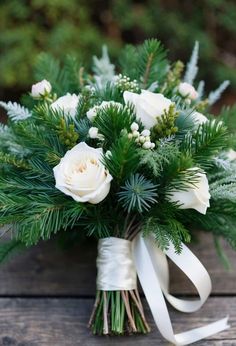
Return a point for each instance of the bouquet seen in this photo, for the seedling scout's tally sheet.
(133, 157)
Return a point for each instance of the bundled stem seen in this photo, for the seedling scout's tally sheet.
(118, 313)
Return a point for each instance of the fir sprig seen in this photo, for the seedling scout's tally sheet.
(138, 194)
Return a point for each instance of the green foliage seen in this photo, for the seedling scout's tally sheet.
(156, 161)
(37, 214)
(170, 167)
(11, 159)
(112, 120)
(64, 79)
(138, 194)
(122, 159)
(165, 126)
(147, 64)
(209, 139)
(67, 134)
(166, 231)
(36, 139)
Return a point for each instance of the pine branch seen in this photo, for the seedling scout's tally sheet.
(207, 142)
(166, 232)
(123, 158)
(112, 120)
(152, 62)
(15, 111)
(11, 159)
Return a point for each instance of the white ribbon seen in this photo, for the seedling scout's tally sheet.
(115, 265)
(152, 268)
(116, 271)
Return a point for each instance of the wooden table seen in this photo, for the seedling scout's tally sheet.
(46, 296)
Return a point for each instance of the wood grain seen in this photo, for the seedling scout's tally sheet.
(46, 270)
(62, 322)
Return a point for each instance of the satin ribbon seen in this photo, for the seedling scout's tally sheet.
(152, 269)
(115, 265)
(119, 260)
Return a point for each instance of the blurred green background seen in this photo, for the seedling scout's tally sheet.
(81, 27)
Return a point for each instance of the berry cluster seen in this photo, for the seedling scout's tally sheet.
(143, 139)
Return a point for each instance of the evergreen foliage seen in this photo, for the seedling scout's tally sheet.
(143, 177)
(15, 111)
(138, 194)
(145, 63)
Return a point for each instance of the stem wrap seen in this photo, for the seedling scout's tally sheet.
(115, 265)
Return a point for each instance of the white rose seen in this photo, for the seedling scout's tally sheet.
(92, 112)
(67, 103)
(40, 89)
(81, 175)
(148, 106)
(196, 197)
(199, 118)
(187, 90)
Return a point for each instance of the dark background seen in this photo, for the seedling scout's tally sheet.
(81, 27)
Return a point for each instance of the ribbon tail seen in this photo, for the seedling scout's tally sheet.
(153, 285)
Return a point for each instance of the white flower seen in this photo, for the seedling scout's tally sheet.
(187, 90)
(199, 118)
(92, 112)
(41, 89)
(196, 197)
(81, 175)
(148, 106)
(93, 132)
(67, 103)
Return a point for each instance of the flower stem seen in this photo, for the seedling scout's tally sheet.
(118, 313)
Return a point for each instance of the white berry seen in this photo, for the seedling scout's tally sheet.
(93, 132)
(147, 145)
(141, 139)
(135, 133)
(145, 133)
(134, 127)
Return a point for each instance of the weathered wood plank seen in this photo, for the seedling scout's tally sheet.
(47, 270)
(62, 322)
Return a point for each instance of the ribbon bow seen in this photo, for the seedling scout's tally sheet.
(152, 269)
